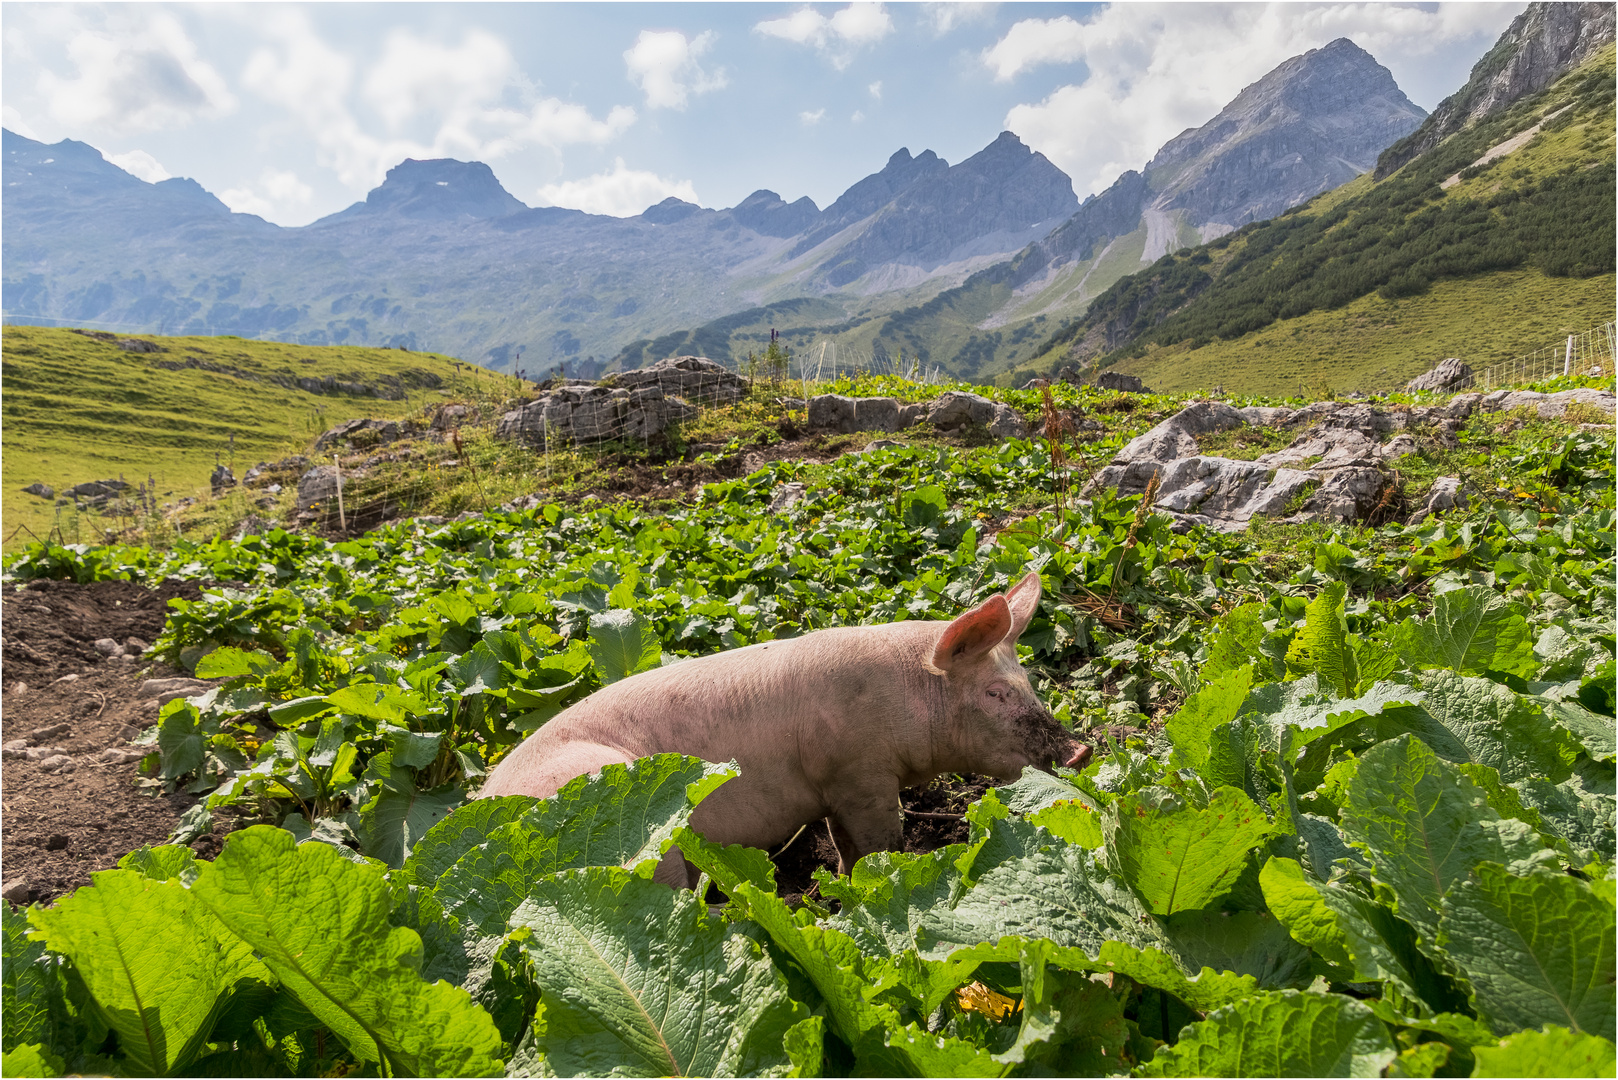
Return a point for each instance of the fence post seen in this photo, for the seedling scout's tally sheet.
(1567, 365)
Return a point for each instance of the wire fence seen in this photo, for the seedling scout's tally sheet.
(1588, 354)
(827, 360)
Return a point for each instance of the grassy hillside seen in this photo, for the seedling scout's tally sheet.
(1376, 343)
(78, 407)
(1539, 218)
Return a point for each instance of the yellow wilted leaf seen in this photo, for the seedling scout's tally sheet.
(975, 997)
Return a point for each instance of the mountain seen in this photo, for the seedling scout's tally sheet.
(1546, 40)
(1496, 241)
(440, 255)
(1313, 123)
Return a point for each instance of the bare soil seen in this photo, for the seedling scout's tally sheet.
(58, 824)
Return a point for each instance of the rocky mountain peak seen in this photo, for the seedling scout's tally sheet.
(1546, 40)
(439, 189)
(767, 214)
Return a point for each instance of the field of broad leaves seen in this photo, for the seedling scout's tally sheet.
(1368, 829)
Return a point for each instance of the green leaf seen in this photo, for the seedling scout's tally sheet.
(378, 701)
(887, 893)
(1321, 647)
(1596, 733)
(464, 829)
(1468, 719)
(1236, 640)
(728, 864)
(1471, 630)
(168, 862)
(320, 923)
(1218, 702)
(227, 662)
(150, 959)
(1536, 949)
(623, 644)
(1570, 810)
(1555, 1051)
(1353, 932)
(1243, 942)
(637, 981)
(400, 815)
(180, 739)
(30, 1059)
(33, 991)
(1036, 789)
(476, 671)
(624, 816)
(1176, 856)
(1281, 1033)
(1424, 824)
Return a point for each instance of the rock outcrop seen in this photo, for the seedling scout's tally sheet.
(694, 378)
(950, 411)
(1450, 375)
(592, 414)
(1336, 469)
(1546, 40)
(361, 434)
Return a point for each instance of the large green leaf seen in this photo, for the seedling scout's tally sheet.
(638, 981)
(1281, 1033)
(1321, 647)
(624, 816)
(33, 992)
(1216, 703)
(1424, 824)
(1235, 641)
(622, 643)
(1241, 942)
(1537, 949)
(1471, 719)
(1177, 856)
(1071, 1023)
(1353, 932)
(1471, 630)
(400, 815)
(320, 923)
(1571, 810)
(150, 959)
(887, 894)
(1555, 1051)
(465, 828)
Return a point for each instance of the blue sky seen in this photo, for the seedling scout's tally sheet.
(294, 111)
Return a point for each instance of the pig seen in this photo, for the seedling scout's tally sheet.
(828, 725)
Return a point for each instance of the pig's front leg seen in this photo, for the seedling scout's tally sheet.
(864, 821)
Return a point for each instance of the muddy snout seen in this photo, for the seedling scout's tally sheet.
(1048, 743)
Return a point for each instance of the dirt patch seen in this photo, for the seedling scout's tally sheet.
(934, 818)
(61, 821)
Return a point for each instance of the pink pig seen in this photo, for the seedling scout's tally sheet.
(831, 724)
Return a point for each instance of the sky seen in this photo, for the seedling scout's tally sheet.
(295, 111)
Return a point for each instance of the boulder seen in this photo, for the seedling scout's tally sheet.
(957, 408)
(590, 414)
(139, 346)
(221, 479)
(44, 491)
(1445, 494)
(1450, 375)
(1548, 406)
(1176, 437)
(1116, 380)
(453, 416)
(832, 411)
(361, 433)
(694, 378)
(319, 484)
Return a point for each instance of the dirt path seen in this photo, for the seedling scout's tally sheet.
(64, 811)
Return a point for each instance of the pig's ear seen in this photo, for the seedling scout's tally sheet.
(1023, 599)
(973, 634)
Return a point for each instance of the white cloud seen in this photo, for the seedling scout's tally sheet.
(434, 99)
(858, 117)
(134, 75)
(620, 192)
(277, 196)
(810, 119)
(140, 163)
(1155, 70)
(947, 16)
(838, 36)
(876, 89)
(663, 63)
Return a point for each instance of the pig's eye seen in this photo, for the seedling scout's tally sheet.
(996, 692)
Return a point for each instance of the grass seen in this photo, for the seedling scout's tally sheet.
(79, 408)
(1374, 344)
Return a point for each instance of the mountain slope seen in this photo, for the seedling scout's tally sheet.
(440, 255)
(1312, 123)
(1546, 40)
(1455, 213)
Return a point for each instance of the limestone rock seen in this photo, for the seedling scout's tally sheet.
(1117, 380)
(694, 378)
(1445, 494)
(221, 479)
(957, 408)
(361, 433)
(1453, 374)
(1176, 437)
(832, 411)
(590, 414)
(44, 491)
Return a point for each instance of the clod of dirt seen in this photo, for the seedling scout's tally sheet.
(57, 842)
(16, 891)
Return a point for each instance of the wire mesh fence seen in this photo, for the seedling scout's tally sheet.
(1588, 354)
